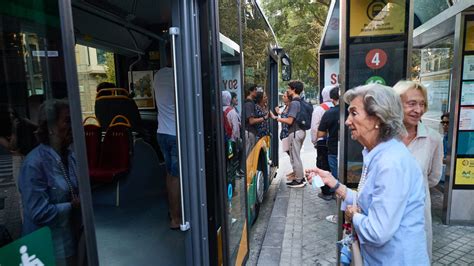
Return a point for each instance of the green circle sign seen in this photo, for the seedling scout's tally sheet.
(375, 80)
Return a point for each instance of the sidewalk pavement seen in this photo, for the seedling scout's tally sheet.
(298, 233)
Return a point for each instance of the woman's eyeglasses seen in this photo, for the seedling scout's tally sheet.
(444, 122)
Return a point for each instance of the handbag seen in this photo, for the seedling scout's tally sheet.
(355, 248)
(349, 247)
(350, 250)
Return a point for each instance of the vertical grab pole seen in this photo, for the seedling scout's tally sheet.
(174, 31)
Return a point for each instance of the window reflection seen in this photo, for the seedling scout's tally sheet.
(232, 107)
(432, 66)
(37, 165)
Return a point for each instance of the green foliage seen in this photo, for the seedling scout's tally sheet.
(109, 69)
(298, 25)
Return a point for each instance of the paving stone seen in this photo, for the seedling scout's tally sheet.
(308, 239)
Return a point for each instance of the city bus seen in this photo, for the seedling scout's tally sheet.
(62, 49)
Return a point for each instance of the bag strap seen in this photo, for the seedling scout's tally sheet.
(325, 106)
(227, 110)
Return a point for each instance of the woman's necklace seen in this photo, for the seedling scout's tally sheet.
(68, 180)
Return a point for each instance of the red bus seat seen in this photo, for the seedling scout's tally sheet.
(115, 152)
(93, 135)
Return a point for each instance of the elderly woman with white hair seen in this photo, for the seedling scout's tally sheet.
(423, 142)
(387, 210)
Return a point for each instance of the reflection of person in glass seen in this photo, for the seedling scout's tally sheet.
(445, 124)
(231, 116)
(17, 139)
(48, 182)
(250, 119)
(283, 113)
(261, 111)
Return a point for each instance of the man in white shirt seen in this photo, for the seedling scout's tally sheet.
(320, 144)
(166, 136)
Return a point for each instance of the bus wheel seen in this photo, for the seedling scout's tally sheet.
(259, 191)
(260, 186)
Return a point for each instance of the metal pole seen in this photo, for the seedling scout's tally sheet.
(174, 31)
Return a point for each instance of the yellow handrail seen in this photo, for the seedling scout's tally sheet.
(127, 122)
(91, 117)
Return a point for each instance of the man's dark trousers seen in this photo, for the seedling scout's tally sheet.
(322, 161)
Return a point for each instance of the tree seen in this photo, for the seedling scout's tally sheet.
(109, 69)
(298, 25)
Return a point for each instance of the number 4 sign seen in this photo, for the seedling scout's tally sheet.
(376, 58)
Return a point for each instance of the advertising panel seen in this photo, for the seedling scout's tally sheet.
(380, 63)
(376, 17)
(464, 171)
(467, 95)
(469, 41)
(466, 118)
(468, 68)
(143, 84)
(331, 71)
(231, 81)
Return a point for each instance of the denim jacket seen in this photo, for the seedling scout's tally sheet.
(46, 196)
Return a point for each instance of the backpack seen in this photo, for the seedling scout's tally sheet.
(325, 106)
(303, 118)
(227, 125)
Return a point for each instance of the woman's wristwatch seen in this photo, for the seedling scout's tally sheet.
(333, 189)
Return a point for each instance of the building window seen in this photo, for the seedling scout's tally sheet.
(101, 60)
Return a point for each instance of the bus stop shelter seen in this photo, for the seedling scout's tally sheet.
(439, 53)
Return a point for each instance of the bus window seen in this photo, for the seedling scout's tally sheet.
(40, 207)
(94, 66)
(258, 40)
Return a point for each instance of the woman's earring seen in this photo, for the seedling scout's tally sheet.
(377, 126)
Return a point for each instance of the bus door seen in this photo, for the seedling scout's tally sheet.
(273, 101)
(225, 153)
(149, 211)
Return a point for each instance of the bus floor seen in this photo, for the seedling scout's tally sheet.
(138, 234)
(136, 231)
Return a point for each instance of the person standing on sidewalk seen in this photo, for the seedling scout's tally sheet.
(386, 211)
(423, 142)
(163, 86)
(296, 135)
(320, 143)
(329, 127)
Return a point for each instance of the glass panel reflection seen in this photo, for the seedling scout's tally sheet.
(433, 64)
(232, 107)
(38, 173)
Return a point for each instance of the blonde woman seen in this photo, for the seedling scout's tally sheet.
(423, 142)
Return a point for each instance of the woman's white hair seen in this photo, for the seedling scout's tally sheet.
(404, 85)
(382, 102)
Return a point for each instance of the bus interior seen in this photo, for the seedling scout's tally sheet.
(130, 210)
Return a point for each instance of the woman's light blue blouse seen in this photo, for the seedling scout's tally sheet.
(391, 225)
(46, 197)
